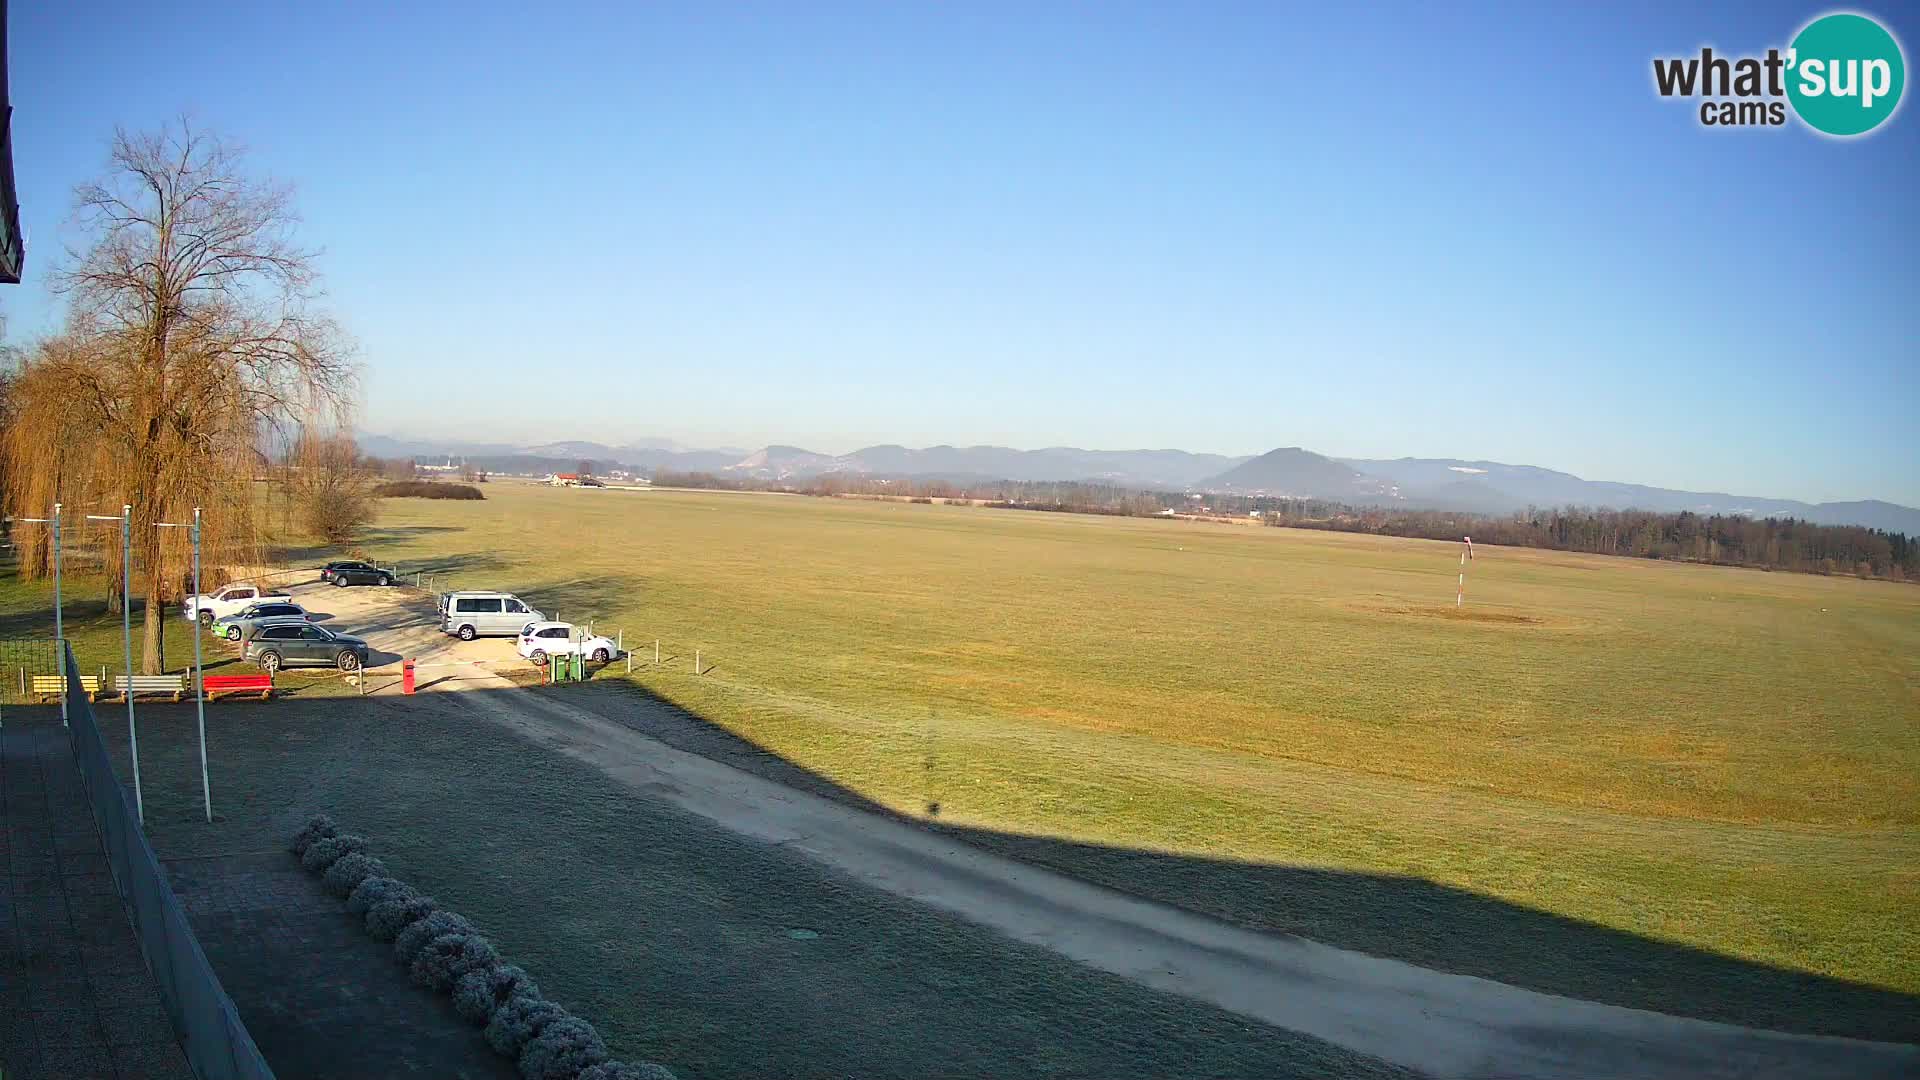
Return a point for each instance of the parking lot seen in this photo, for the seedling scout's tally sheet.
(401, 623)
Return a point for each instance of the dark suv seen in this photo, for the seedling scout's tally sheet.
(295, 644)
(355, 573)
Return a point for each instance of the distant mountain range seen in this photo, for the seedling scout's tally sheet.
(1488, 487)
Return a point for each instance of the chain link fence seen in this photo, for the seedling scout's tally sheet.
(23, 658)
(216, 1042)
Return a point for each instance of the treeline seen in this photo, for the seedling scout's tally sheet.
(1722, 539)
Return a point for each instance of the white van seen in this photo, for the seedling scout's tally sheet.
(484, 614)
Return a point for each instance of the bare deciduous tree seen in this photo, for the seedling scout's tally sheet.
(333, 487)
(189, 334)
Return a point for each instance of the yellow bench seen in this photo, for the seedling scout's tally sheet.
(52, 686)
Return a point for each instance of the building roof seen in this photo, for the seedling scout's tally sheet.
(13, 249)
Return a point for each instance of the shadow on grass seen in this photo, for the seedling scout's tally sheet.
(317, 554)
(1406, 918)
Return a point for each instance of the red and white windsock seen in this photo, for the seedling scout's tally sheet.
(1466, 556)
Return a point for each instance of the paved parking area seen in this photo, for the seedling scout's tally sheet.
(76, 999)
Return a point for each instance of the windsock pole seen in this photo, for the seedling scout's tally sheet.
(1466, 556)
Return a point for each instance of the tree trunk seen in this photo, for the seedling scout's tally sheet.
(153, 650)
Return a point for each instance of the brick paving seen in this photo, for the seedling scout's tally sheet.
(321, 998)
(76, 999)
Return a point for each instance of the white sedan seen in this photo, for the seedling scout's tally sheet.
(539, 640)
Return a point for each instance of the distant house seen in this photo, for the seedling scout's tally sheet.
(565, 479)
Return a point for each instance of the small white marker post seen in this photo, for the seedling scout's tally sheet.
(1466, 556)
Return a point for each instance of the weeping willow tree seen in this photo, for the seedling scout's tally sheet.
(189, 335)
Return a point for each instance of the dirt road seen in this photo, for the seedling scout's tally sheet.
(1444, 1024)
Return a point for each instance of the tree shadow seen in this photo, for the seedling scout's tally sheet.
(1402, 917)
(318, 553)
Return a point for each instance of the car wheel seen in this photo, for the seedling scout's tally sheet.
(539, 658)
(466, 633)
(340, 581)
(385, 579)
(233, 633)
(206, 618)
(600, 656)
(347, 661)
(270, 662)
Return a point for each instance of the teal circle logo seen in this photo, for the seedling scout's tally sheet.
(1845, 74)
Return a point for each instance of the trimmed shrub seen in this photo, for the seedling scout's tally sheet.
(426, 489)
(562, 1048)
(620, 1070)
(446, 958)
(408, 943)
(348, 871)
(325, 852)
(514, 1024)
(318, 827)
(372, 889)
(386, 918)
(481, 990)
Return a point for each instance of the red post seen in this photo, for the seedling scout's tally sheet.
(406, 676)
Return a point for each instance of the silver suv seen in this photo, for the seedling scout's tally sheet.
(483, 614)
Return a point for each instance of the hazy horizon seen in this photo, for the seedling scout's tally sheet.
(749, 446)
(1145, 228)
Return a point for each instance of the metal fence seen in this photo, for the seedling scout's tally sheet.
(217, 1044)
(21, 658)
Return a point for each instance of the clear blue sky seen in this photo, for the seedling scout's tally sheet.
(1406, 231)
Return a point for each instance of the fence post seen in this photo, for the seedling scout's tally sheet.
(696, 661)
(656, 650)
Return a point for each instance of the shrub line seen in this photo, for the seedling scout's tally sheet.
(444, 952)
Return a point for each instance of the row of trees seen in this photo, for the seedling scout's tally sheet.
(1726, 539)
(191, 332)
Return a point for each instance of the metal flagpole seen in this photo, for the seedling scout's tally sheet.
(199, 694)
(59, 626)
(126, 640)
(199, 676)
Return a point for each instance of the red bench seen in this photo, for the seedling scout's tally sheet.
(228, 684)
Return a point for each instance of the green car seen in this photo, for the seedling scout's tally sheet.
(240, 625)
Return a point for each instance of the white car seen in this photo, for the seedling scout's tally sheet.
(539, 640)
(207, 607)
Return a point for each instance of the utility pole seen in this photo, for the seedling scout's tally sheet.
(199, 676)
(126, 641)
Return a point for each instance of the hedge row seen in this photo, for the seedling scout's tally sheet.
(447, 953)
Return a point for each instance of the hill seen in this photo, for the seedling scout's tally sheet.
(1298, 473)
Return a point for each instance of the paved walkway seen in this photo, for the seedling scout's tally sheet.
(76, 999)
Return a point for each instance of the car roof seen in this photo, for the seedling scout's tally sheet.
(273, 603)
(478, 592)
(548, 624)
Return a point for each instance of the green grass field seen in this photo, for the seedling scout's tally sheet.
(1678, 787)
(1721, 759)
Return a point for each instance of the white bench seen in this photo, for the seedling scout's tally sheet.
(174, 686)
